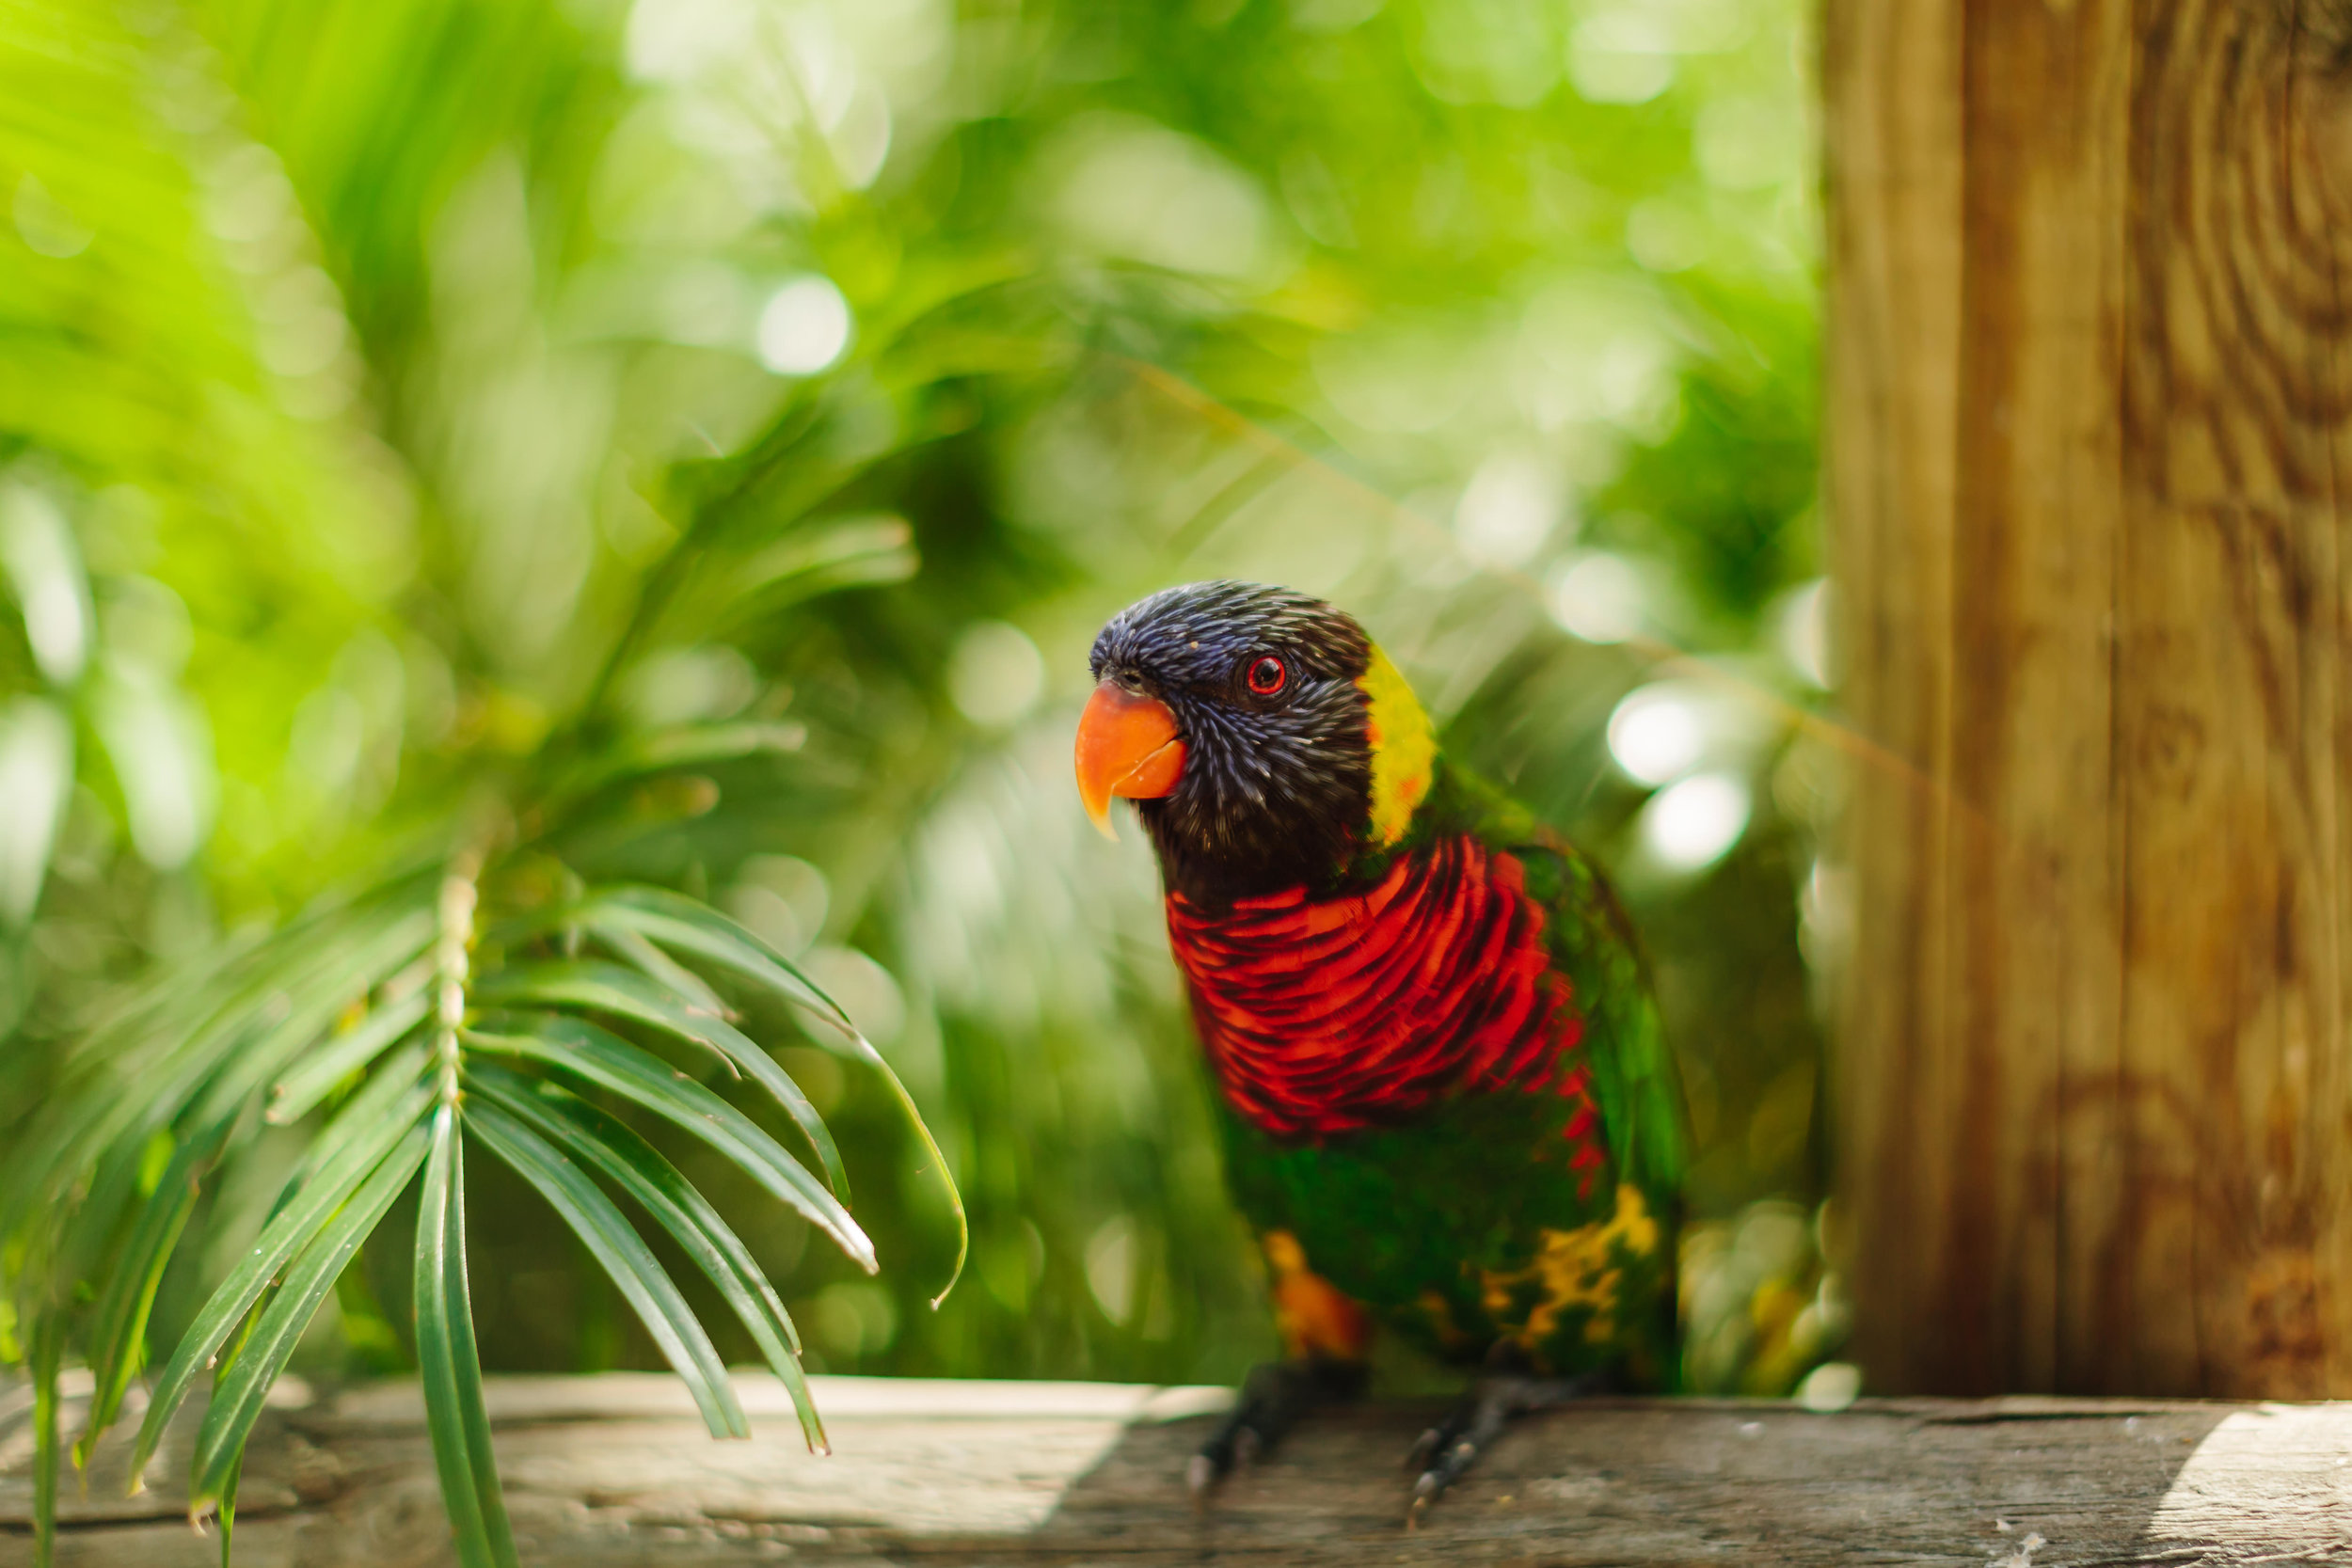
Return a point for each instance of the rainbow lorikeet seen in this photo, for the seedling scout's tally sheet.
(1448, 1112)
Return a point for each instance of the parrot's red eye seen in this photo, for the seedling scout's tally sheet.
(1266, 675)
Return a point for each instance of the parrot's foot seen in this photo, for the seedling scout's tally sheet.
(1447, 1450)
(1273, 1398)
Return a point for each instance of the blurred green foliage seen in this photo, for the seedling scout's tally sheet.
(367, 357)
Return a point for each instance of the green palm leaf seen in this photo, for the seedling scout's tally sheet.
(227, 1509)
(623, 993)
(47, 1348)
(662, 970)
(257, 1013)
(311, 1079)
(625, 1257)
(680, 923)
(238, 1399)
(120, 1323)
(615, 1151)
(395, 1082)
(453, 1411)
(361, 1146)
(593, 1056)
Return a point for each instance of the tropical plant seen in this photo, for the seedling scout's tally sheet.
(483, 994)
(376, 1010)
(613, 453)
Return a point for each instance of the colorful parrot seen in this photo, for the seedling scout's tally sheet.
(1448, 1109)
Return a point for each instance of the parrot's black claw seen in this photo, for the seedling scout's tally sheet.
(1446, 1452)
(1273, 1398)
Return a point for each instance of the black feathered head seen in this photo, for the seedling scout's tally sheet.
(1262, 736)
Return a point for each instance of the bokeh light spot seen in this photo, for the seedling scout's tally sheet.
(36, 778)
(804, 327)
(1830, 1386)
(783, 898)
(1134, 188)
(1111, 1267)
(867, 992)
(1507, 511)
(1666, 235)
(40, 563)
(1656, 736)
(996, 674)
(1693, 824)
(669, 41)
(1620, 57)
(1805, 631)
(1598, 597)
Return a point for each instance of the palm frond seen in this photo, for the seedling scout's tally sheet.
(623, 1256)
(390, 1031)
(236, 1401)
(697, 931)
(453, 1411)
(593, 1057)
(616, 1151)
(626, 994)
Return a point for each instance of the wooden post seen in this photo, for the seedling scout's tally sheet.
(2089, 476)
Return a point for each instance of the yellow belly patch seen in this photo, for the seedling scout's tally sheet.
(1572, 1270)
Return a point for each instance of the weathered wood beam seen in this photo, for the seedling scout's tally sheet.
(616, 1470)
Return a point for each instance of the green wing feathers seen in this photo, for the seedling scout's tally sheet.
(1639, 1090)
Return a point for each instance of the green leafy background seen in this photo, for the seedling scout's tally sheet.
(736, 418)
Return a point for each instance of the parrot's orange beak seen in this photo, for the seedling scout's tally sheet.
(1127, 745)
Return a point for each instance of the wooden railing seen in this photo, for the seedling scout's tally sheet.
(616, 1469)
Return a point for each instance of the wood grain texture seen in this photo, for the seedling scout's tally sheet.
(2090, 424)
(617, 1470)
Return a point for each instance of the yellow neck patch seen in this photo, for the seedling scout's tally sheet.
(1404, 749)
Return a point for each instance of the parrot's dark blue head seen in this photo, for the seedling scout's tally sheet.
(1239, 720)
